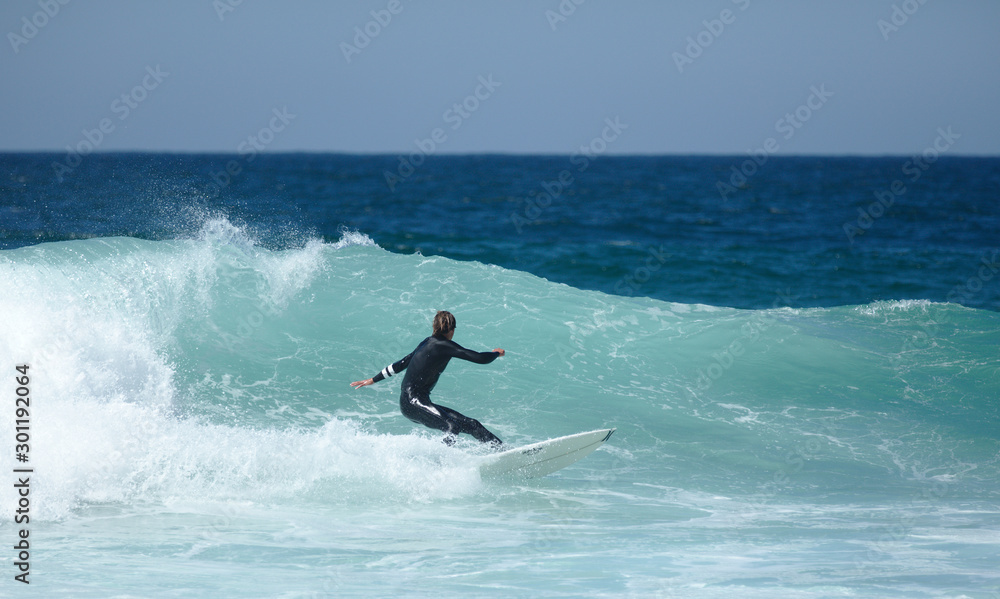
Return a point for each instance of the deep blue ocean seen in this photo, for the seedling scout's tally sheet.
(800, 355)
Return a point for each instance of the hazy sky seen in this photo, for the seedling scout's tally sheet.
(709, 76)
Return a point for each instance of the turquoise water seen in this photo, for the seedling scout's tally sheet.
(194, 433)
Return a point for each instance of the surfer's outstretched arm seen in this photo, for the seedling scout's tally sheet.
(386, 372)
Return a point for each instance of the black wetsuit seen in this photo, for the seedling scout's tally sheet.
(423, 367)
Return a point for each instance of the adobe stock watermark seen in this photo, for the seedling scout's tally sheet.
(251, 146)
(912, 169)
(122, 106)
(714, 29)
(364, 34)
(565, 10)
(795, 461)
(900, 16)
(224, 7)
(931, 327)
(989, 268)
(31, 27)
(454, 117)
(538, 201)
(787, 126)
(542, 543)
(629, 284)
(750, 332)
(894, 533)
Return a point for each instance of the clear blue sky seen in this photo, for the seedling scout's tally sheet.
(680, 77)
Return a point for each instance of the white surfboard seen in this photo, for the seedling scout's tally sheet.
(545, 457)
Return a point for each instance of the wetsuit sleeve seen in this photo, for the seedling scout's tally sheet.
(392, 369)
(479, 357)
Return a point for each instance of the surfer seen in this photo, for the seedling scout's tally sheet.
(423, 367)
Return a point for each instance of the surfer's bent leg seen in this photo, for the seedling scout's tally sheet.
(469, 426)
(444, 419)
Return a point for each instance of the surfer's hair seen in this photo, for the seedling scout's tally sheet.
(444, 322)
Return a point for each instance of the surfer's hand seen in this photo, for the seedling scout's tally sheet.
(360, 384)
(499, 351)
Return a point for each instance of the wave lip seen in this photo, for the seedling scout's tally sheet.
(352, 238)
